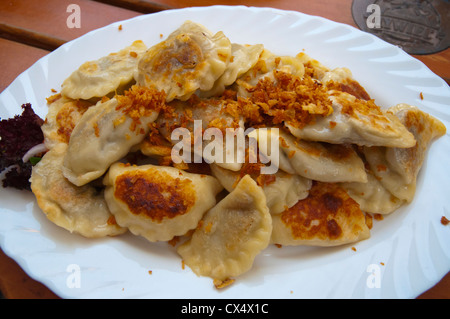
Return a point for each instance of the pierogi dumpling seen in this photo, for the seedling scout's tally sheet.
(397, 168)
(244, 57)
(264, 68)
(357, 122)
(107, 131)
(372, 196)
(158, 202)
(191, 58)
(231, 234)
(327, 217)
(281, 189)
(393, 171)
(313, 160)
(62, 117)
(95, 79)
(214, 133)
(80, 210)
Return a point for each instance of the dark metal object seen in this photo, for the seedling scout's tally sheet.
(417, 26)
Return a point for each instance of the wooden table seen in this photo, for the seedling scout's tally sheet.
(30, 29)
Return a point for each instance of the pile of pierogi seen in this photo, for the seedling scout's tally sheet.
(112, 166)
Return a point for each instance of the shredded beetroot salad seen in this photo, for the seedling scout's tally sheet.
(17, 136)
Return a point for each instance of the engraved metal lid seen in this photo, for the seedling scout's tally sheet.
(417, 26)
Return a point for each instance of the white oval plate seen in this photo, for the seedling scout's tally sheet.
(408, 252)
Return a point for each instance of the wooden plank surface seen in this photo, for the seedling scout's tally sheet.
(336, 10)
(16, 284)
(30, 37)
(49, 19)
(142, 6)
(16, 58)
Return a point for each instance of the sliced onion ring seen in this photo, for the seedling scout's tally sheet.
(37, 149)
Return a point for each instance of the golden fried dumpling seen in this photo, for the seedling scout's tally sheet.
(155, 145)
(105, 75)
(282, 190)
(265, 67)
(327, 217)
(209, 127)
(355, 121)
(158, 202)
(372, 196)
(184, 113)
(340, 79)
(312, 67)
(312, 160)
(63, 114)
(397, 168)
(107, 131)
(243, 58)
(231, 234)
(190, 58)
(80, 210)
